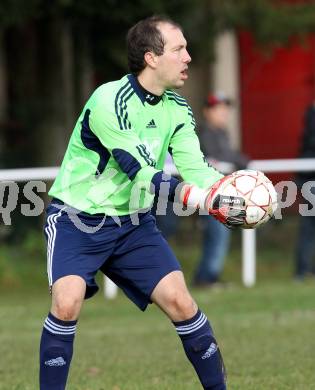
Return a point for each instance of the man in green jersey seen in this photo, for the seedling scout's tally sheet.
(100, 219)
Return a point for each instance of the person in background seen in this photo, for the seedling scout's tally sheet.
(305, 248)
(216, 146)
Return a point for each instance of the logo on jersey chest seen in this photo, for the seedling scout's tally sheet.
(151, 124)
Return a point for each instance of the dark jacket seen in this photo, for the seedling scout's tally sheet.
(308, 142)
(215, 144)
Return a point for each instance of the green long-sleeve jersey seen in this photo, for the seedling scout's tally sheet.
(120, 142)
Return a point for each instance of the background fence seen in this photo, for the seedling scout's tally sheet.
(248, 236)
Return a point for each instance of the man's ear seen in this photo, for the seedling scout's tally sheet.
(151, 59)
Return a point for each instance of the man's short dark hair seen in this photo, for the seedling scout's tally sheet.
(143, 37)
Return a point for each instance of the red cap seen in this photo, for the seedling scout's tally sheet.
(217, 98)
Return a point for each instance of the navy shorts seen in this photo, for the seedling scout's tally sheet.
(134, 256)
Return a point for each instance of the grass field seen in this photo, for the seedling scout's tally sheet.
(266, 333)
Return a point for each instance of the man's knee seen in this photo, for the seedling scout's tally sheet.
(181, 306)
(66, 308)
(173, 297)
(67, 297)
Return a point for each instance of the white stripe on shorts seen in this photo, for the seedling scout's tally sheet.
(51, 232)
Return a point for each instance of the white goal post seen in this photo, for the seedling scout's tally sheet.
(248, 236)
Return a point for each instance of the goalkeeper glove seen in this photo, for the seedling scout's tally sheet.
(229, 210)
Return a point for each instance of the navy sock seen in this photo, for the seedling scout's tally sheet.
(56, 349)
(202, 350)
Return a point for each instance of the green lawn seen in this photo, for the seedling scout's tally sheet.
(266, 335)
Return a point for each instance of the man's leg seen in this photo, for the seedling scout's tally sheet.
(216, 239)
(56, 344)
(305, 247)
(193, 327)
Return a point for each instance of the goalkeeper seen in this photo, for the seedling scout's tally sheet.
(99, 217)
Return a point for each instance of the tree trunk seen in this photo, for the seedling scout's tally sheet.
(3, 93)
(58, 114)
(84, 70)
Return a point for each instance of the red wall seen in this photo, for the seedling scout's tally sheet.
(276, 87)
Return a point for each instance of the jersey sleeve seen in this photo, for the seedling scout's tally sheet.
(187, 156)
(124, 145)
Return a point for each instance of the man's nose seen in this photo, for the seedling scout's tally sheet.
(187, 57)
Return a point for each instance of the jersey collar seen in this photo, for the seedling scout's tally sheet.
(144, 95)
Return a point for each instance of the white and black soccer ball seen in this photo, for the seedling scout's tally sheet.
(259, 194)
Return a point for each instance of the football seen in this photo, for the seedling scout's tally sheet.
(259, 194)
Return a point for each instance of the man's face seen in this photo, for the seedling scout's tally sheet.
(172, 65)
(218, 115)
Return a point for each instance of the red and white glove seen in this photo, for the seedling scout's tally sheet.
(229, 210)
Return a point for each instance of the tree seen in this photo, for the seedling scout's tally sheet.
(53, 52)
(272, 22)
